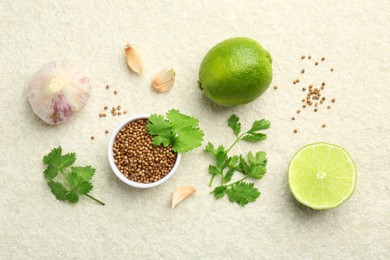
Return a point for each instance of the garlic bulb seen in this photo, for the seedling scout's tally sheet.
(57, 91)
(163, 81)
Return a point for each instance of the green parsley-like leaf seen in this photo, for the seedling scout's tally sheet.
(58, 189)
(234, 123)
(219, 192)
(257, 171)
(260, 125)
(187, 138)
(242, 193)
(179, 120)
(53, 157)
(66, 160)
(85, 173)
(221, 159)
(84, 187)
(72, 197)
(214, 170)
(255, 137)
(228, 176)
(181, 131)
(210, 149)
(50, 172)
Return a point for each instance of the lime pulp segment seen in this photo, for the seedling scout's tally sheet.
(322, 176)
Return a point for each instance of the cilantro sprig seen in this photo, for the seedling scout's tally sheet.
(78, 178)
(252, 166)
(179, 130)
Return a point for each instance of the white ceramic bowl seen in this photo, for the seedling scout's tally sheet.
(118, 172)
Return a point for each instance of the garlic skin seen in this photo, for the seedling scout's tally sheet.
(133, 59)
(181, 193)
(163, 81)
(57, 91)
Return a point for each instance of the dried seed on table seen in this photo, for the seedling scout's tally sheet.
(106, 132)
(293, 118)
(316, 63)
(92, 137)
(309, 57)
(324, 125)
(302, 57)
(333, 100)
(298, 111)
(275, 87)
(115, 92)
(295, 130)
(323, 58)
(328, 107)
(107, 86)
(303, 71)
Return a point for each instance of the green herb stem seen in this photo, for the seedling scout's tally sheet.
(95, 199)
(235, 142)
(211, 180)
(236, 181)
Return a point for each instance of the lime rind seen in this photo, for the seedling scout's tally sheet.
(329, 197)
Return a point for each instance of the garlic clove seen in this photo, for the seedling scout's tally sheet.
(181, 193)
(133, 59)
(163, 81)
(57, 91)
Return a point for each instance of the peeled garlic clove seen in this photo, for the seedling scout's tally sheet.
(133, 59)
(57, 91)
(181, 193)
(163, 81)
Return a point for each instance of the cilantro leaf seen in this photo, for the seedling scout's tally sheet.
(78, 178)
(219, 192)
(179, 130)
(58, 189)
(84, 187)
(210, 149)
(85, 173)
(222, 159)
(72, 197)
(66, 160)
(50, 172)
(187, 138)
(214, 170)
(179, 120)
(52, 157)
(260, 125)
(254, 137)
(234, 123)
(242, 193)
(228, 176)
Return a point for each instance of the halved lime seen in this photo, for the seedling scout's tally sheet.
(322, 176)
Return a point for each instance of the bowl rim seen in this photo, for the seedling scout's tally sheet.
(119, 174)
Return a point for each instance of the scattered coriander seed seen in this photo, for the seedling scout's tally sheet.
(323, 125)
(294, 82)
(328, 107)
(115, 92)
(304, 106)
(302, 57)
(125, 112)
(297, 80)
(295, 130)
(107, 86)
(105, 107)
(106, 131)
(315, 109)
(118, 108)
(92, 137)
(333, 100)
(303, 89)
(316, 104)
(303, 100)
(309, 57)
(298, 111)
(303, 71)
(321, 101)
(310, 86)
(104, 114)
(275, 87)
(322, 87)
(293, 118)
(323, 58)
(316, 63)
(331, 69)
(323, 84)
(323, 98)
(119, 113)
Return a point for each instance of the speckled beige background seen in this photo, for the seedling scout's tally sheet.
(354, 37)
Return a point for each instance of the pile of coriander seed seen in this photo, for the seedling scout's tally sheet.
(137, 158)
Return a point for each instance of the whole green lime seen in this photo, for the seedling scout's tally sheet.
(235, 71)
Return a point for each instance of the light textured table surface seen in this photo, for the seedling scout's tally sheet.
(354, 37)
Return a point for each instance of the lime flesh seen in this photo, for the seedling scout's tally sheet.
(322, 176)
(235, 71)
